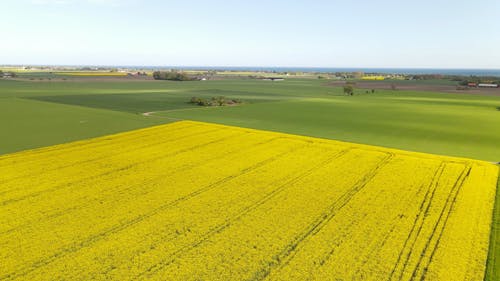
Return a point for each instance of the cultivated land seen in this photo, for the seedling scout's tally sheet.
(41, 112)
(493, 266)
(429, 86)
(61, 111)
(197, 201)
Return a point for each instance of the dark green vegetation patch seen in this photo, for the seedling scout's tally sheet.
(146, 102)
(493, 266)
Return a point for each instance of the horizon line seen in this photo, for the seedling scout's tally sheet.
(253, 66)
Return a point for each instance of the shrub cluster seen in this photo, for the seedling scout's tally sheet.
(349, 89)
(7, 74)
(171, 75)
(479, 79)
(214, 101)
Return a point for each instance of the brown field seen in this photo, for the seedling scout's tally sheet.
(418, 86)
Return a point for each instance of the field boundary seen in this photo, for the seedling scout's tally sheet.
(410, 153)
(151, 114)
(493, 262)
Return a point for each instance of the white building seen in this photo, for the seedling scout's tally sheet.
(487, 85)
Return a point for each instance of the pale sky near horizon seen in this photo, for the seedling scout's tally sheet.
(383, 33)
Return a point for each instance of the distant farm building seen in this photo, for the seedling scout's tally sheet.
(472, 84)
(137, 74)
(200, 78)
(487, 85)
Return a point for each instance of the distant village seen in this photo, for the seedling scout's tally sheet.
(187, 74)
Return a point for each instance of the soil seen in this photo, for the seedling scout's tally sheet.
(379, 85)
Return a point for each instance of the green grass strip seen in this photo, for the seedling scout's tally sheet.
(493, 264)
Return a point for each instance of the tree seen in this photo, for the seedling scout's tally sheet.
(8, 74)
(220, 101)
(348, 90)
(171, 75)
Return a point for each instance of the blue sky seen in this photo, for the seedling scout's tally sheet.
(383, 33)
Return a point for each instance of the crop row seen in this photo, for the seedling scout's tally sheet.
(195, 201)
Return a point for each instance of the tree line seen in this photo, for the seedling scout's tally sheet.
(171, 75)
(7, 74)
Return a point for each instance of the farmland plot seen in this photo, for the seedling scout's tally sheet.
(197, 201)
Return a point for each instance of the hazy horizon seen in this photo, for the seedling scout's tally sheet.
(244, 66)
(327, 34)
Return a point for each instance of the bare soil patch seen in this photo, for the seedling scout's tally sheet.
(382, 85)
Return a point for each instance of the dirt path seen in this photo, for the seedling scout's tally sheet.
(151, 114)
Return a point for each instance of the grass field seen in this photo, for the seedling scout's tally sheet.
(448, 124)
(172, 201)
(493, 266)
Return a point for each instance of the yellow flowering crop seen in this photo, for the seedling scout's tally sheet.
(373, 77)
(92, 73)
(198, 201)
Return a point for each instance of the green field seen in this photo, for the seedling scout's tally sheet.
(27, 123)
(40, 113)
(448, 124)
(493, 266)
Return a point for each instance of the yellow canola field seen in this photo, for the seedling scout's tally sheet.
(373, 77)
(92, 73)
(198, 201)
